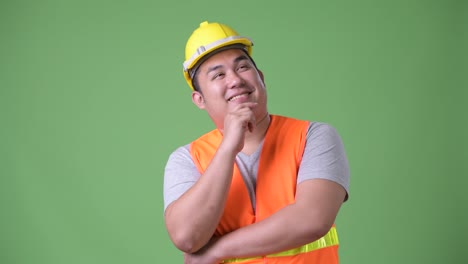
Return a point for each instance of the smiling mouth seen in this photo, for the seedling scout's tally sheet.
(238, 96)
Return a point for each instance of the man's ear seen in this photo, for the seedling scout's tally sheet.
(198, 100)
(261, 76)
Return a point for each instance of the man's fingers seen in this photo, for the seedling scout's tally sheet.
(249, 105)
(251, 126)
(252, 123)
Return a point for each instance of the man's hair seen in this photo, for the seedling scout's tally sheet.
(195, 85)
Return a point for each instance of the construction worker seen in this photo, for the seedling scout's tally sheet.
(260, 188)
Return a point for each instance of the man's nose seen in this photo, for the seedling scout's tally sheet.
(235, 80)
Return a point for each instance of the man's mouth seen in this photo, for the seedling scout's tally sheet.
(239, 96)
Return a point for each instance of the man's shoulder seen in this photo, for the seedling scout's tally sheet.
(320, 126)
(181, 149)
(184, 150)
(320, 129)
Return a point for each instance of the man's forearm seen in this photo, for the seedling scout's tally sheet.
(310, 218)
(274, 234)
(192, 219)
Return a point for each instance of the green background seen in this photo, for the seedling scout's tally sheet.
(92, 102)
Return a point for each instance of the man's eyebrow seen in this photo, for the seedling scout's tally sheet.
(236, 60)
(214, 68)
(240, 58)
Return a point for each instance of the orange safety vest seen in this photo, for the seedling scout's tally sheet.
(276, 187)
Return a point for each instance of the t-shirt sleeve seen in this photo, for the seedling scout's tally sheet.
(180, 174)
(324, 156)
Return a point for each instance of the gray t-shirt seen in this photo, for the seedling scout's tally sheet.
(324, 158)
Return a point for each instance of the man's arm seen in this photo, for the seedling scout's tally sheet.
(323, 181)
(308, 219)
(192, 219)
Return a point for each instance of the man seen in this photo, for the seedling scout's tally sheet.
(260, 188)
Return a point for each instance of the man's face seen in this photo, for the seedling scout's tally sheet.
(227, 79)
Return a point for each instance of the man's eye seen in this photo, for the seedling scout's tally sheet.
(218, 75)
(243, 67)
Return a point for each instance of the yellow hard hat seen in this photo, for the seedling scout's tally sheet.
(207, 38)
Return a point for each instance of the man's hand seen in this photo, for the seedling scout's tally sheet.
(203, 256)
(238, 121)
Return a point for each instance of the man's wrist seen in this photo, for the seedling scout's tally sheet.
(225, 149)
(217, 250)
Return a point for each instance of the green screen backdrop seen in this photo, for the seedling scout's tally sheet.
(93, 101)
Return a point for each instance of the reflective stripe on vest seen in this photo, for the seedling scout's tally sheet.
(330, 239)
